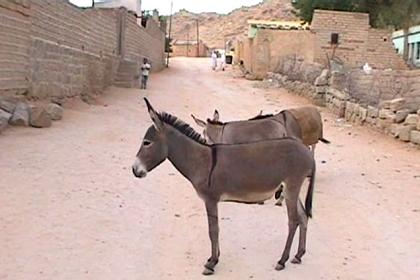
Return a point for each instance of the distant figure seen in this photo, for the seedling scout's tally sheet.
(214, 60)
(145, 71)
(223, 61)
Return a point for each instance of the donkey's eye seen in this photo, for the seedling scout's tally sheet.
(147, 143)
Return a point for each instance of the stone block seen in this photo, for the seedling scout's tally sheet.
(384, 124)
(20, 116)
(397, 104)
(371, 121)
(401, 115)
(7, 105)
(4, 119)
(362, 113)
(386, 114)
(415, 137)
(322, 80)
(39, 117)
(385, 104)
(55, 111)
(412, 119)
(372, 112)
(404, 132)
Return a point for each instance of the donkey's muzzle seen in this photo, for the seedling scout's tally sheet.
(139, 174)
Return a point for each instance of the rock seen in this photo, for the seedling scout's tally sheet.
(418, 112)
(362, 113)
(404, 132)
(385, 104)
(322, 80)
(415, 137)
(20, 116)
(4, 119)
(384, 124)
(372, 112)
(386, 114)
(412, 119)
(55, 111)
(395, 128)
(401, 115)
(397, 104)
(39, 117)
(7, 105)
(250, 77)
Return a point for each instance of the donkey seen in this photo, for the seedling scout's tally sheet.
(304, 123)
(243, 173)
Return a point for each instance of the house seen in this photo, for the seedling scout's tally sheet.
(413, 44)
(189, 48)
(131, 5)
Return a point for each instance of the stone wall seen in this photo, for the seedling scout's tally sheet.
(358, 42)
(14, 46)
(50, 49)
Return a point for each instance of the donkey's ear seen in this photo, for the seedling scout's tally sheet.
(154, 115)
(198, 121)
(216, 116)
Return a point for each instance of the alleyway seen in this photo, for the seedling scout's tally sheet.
(70, 207)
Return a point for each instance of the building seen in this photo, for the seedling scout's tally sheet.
(346, 36)
(413, 44)
(130, 5)
(189, 49)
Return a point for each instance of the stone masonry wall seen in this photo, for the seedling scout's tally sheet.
(14, 46)
(50, 49)
(358, 43)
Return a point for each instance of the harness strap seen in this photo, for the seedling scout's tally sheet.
(213, 164)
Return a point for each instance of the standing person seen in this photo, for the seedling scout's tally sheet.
(213, 60)
(145, 71)
(223, 61)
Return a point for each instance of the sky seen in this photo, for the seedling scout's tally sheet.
(196, 6)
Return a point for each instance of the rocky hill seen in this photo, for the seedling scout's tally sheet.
(214, 28)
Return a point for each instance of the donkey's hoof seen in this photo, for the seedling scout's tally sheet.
(296, 260)
(280, 266)
(208, 271)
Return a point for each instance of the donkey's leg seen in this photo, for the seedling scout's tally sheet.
(292, 212)
(212, 216)
(303, 225)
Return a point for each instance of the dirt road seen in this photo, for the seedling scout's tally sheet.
(71, 209)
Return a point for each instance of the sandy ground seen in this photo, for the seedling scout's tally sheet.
(71, 209)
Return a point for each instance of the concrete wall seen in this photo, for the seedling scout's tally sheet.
(358, 43)
(50, 49)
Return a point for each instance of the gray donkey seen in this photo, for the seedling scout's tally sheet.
(244, 173)
(303, 123)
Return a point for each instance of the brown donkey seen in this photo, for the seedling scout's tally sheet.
(303, 123)
(244, 173)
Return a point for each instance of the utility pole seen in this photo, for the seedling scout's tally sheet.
(169, 36)
(198, 40)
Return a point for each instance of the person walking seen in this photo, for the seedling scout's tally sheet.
(223, 61)
(214, 60)
(145, 71)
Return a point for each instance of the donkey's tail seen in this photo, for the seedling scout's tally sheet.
(310, 194)
(325, 141)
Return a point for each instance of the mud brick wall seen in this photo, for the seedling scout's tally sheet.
(143, 42)
(358, 42)
(51, 49)
(73, 51)
(14, 46)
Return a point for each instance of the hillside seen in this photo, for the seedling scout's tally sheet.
(214, 28)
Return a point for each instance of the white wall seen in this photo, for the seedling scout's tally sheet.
(131, 5)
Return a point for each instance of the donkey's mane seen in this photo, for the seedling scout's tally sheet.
(260, 117)
(182, 127)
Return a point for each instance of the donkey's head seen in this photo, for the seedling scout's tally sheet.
(153, 150)
(211, 129)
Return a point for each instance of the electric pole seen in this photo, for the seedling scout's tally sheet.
(198, 40)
